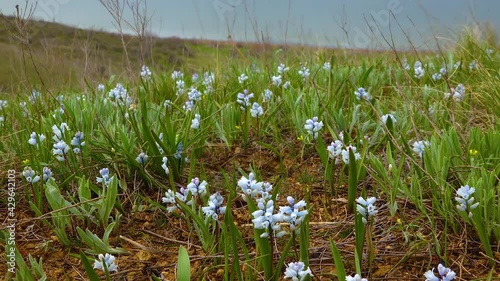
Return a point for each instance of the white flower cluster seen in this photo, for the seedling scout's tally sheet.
(336, 150)
(366, 208)
(465, 199)
(312, 126)
(107, 259)
(362, 94)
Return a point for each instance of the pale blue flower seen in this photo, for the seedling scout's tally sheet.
(242, 78)
(164, 165)
(46, 174)
(59, 111)
(197, 188)
(335, 149)
(327, 66)
(457, 65)
(60, 150)
(436, 76)
(419, 147)
(120, 95)
(297, 271)
(101, 87)
(59, 131)
(167, 104)
(35, 96)
(406, 65)
(179, 84)
(170, 198)
(178, 152)
(361, 93)
(176, 75)
(384, 117)
(295, 213)
(194, 77)
(312, 126)
(25, 110)
(355, 278)
(208, 78)
(117, 92)
(473, 65)
(432, 109)
(208, 81)
(105, 178)
(304, 72)
(457, 94)
(266, 192)
(195, 123)
(443, 71)
(287, 85)
(445, 274)
(214, 208)
(35, 139)
(30, 175)
(250, 186)
(188, 106)
(282, 68)
(194, 94)
(244, 99)
(3, 104)
(255, 68)
(107, 259)
(78, 142)
(465, 199)
(267, 95)
(142, 158)
(265, 218)
(366, 208)
(345, 154)
(145, 72)
(160, 149)
(276, 80)
(419, 70)
(256, 110)
(78, 98)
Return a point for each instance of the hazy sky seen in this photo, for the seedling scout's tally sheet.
(344, 23)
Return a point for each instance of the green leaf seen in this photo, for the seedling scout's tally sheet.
(108, 201)
(337, 259)
(353, 182)
(183, 265)
(359, 241)
(88, 268)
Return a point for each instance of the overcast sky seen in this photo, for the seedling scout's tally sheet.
(344, 23)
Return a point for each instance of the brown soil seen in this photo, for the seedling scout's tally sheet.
(404, 244)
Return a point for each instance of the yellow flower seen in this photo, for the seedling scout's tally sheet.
(399, 222)
(473, 152)
(26, 162)
(300, 138)
(237, 127)
(132, 107)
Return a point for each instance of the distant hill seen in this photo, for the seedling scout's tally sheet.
(62, 55)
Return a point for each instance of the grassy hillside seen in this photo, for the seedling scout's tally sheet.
(60, 56)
